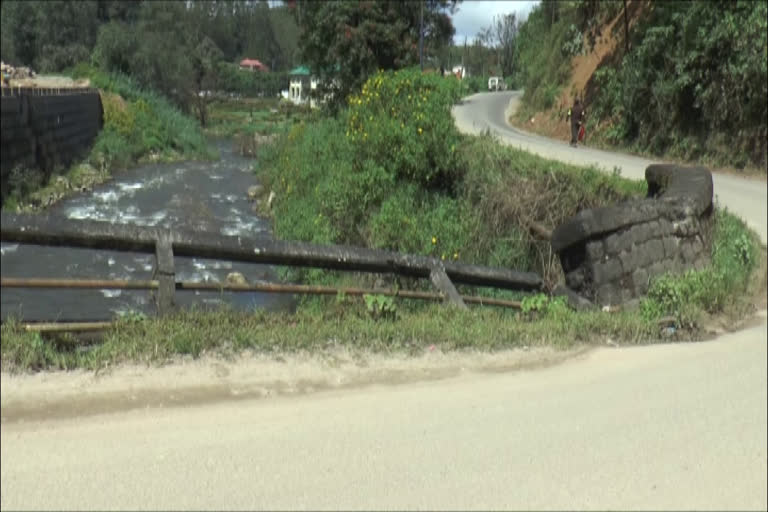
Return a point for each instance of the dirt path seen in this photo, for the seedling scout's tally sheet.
(59, 395)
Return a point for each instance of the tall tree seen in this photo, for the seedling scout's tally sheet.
(343, 42)
(504, 32)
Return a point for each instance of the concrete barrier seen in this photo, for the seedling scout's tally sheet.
(609, 255)
(46, 129)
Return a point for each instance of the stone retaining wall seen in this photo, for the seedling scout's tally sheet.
(46, 129)
(609, 255)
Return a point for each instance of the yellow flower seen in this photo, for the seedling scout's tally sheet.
(419, 131)
(442, 257)
(456, 255)
(434, 240)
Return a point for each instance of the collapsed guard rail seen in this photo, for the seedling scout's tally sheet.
(165, 244)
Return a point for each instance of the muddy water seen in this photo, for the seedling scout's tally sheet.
(205, 196)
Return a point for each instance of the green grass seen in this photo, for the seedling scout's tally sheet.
(726, 287)
(230, 118)
(156, 341)
(723, 285)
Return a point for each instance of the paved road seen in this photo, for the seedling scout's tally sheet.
(662, 427)
(746, 197)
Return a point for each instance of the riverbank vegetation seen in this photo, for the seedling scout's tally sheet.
(139, 126)
(392, 172)
(695, 300)
(684, 80)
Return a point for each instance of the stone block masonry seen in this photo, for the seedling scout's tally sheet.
(610, 255)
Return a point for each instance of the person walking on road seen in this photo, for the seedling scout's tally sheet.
(576, 113)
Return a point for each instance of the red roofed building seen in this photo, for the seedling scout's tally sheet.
(253, 65)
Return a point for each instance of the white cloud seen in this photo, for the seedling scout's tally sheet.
(472, 16)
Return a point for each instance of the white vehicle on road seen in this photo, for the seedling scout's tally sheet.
(496, 83)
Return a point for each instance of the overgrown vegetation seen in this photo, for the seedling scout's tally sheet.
(471, 202)
(249, 116)
(392, 172)
(689, 79)
(735, 257)
(139, 123)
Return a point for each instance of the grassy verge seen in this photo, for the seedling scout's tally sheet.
(139, 126)
(195, 333)
(728, 288)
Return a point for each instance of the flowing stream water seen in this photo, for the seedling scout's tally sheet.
(203, 196)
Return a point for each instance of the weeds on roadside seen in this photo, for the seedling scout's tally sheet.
(226, 332)
(734, 257)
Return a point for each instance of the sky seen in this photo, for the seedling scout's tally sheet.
(472, 15)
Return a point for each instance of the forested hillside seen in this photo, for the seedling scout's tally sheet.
(682, 79)
(176, 48)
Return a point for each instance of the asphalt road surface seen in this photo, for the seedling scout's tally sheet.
(489, 111)
(679, 426)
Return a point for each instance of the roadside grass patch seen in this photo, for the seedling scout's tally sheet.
(378, 324)
(720, 288)
(225, 333)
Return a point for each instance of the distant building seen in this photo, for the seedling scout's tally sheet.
(253, 65)
(301, 83)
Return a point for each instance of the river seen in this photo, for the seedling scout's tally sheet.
(204, 196)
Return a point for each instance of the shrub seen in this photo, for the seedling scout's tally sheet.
(734, 257)
(138, 123)
(392, 172)
(403, 119)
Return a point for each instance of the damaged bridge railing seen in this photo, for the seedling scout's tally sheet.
(165, 244)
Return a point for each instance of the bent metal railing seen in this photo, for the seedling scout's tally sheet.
(165, 244)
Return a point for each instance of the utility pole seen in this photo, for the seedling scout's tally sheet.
(421, 35)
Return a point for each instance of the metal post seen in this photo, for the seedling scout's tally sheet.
(164, 272)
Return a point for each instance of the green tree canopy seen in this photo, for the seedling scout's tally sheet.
(344, 42)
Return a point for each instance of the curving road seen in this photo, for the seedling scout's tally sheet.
(489, 111)
(679, 426)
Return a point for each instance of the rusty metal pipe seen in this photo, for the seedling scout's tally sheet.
(12, 282)
(32, 282)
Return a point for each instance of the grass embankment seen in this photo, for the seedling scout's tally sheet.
(392, 172)
(139, 126)
(253, 122)
(727, 287)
